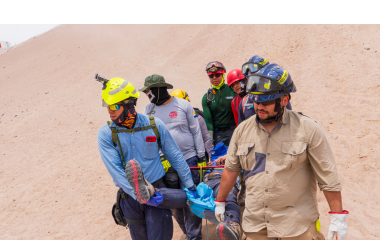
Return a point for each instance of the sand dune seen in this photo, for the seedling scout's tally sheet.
(54, 184)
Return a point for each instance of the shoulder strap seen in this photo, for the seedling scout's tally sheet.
(155, 130)
(209, 97)
(243, 103)
(114, 134)
(115, 140)
(199, 112)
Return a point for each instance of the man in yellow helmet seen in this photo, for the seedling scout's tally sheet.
(128, 147)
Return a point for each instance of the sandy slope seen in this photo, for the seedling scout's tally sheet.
(52, 180)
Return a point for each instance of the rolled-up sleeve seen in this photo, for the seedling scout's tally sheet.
(232, 160)
(173, 154)
(322, 160)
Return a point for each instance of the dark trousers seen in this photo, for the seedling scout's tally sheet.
(232, 207)
(223, 135)
(176, 198)
(190, 224)
(159, 223)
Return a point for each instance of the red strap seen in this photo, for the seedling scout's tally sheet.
(344, 212)
(219, 201)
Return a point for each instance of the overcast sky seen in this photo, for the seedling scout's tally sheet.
(18, 33)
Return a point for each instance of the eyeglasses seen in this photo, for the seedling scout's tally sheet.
(114, 107)
(266, 103)
(216, 75)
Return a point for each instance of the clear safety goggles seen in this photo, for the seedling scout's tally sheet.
(252, 67)
(262, 84)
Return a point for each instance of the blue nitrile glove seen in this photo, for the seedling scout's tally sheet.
(193, 191)
(155, 200)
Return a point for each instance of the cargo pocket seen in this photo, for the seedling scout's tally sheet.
(151, 150)
(242, 152)
(294, 153)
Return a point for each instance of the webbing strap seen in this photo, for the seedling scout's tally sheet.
(155, 130)
(135, 222)
(115, 137)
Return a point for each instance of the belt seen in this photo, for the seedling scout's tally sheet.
(225, 128)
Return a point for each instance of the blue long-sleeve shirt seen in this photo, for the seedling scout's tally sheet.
(135, 146)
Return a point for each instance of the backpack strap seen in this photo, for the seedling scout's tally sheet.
(244, 104)
(115, 137)
(209, 97)
(115, 140)
(155, 130)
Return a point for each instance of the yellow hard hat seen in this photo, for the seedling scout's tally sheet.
(117, 90)
(180, 94)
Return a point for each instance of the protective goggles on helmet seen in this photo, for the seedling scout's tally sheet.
(261, 83)
(252, 67)
(214, 67)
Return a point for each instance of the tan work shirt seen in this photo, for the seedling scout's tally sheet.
(280, 170)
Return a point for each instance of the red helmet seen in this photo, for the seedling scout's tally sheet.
(234, 75)
(215, 67)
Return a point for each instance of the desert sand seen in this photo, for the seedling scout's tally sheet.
(54, 184)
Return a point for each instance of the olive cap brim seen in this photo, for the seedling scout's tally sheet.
(155, 80)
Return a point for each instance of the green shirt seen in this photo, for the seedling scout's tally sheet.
(219, 114)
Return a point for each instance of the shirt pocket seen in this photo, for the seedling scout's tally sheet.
(151, 150)
(242, 153)
(294, 154)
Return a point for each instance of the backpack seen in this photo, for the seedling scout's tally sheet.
(209, 99)
(199, 112)
(115, 137)
(245, 104)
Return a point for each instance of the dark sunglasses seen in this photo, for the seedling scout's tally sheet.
(216, 75)
(266, 103)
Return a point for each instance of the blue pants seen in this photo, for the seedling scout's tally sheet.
(159, 223)
(223, 136)
(190, 224)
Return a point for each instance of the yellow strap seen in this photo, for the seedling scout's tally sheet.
(318, 225)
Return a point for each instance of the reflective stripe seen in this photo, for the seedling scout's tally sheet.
(193, 126)
(134, 92)
(121, 88)
(175, 124)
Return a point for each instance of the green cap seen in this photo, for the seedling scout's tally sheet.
(155, 80)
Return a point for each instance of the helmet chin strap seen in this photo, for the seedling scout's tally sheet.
(278, 109)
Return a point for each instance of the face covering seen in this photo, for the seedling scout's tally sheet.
(158, 95)
(127, 118)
